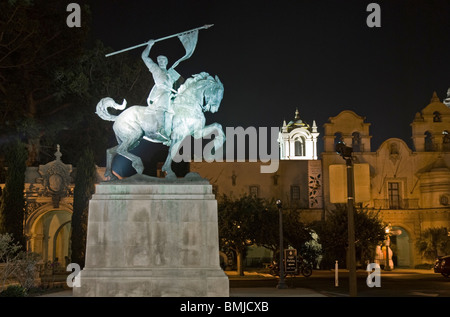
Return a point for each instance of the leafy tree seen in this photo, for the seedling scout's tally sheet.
(300, 236)
(333, 233)
(249, 220)
(83, 83)
(235, 223)
(34, 41)
(267, 234)
(295, 232)
(85, 179)
(12, 206)
(434, 242)
(52, 77)
(240, 225)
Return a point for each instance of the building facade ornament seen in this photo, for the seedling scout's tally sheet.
(298, 141)
(55, 178)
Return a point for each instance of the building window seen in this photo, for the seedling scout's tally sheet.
(444, 200)
(254, 191)
(393, 149)
(299, 147)
(428, 142)
(275, 179)
(394, 195)
(437, 117)
(295, 192)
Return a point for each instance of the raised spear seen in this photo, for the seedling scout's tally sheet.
(160, 39)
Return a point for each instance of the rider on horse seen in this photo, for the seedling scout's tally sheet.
(159, 98)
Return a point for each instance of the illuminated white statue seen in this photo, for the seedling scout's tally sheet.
(161, 93)
(160, 96)
(139, 122)
(170, 115)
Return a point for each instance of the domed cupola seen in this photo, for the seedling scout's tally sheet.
(296, 123)
(298, 141)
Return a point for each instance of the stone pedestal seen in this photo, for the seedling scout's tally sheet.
(153, 237)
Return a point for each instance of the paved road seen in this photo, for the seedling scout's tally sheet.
(396, 283)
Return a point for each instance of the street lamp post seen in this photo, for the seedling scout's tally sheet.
(346, 153)
(281, 283)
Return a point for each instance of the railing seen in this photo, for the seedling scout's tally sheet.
(411, 203)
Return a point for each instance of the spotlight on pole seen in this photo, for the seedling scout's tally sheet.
(344, 151)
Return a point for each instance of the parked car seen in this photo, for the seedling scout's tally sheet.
(442, 265)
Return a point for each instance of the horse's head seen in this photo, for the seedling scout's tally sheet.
(213, 95)
(202, 90)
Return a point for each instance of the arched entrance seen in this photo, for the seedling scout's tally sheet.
(61, 243)
(49, 234)
(401, 247)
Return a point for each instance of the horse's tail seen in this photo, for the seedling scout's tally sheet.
(104, 104)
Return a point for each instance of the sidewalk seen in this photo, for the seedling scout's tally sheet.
(240, 292)
(237, 292)
(265, 291)
(233, 275)
(274, 292)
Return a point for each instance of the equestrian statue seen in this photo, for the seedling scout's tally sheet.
(170, 115)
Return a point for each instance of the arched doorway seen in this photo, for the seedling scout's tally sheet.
(61, 243)
(49, 234)
(401, 247)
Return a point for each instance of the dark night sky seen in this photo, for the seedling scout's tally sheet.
(319, 56)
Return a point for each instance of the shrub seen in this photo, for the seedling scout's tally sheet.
(434, 242)
(14, 291)
(19, 265)
(424, 266)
